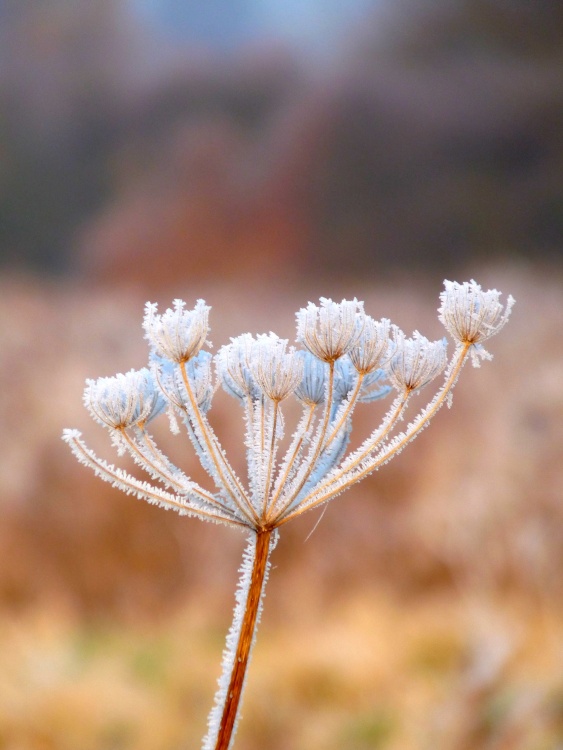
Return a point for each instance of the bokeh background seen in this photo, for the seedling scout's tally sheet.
(259, 154)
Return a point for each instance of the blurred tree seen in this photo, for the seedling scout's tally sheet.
(433, 140)
(442, 144)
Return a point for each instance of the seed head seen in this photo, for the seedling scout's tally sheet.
(277, 370)
(416, 361)
(311, 389)
(330, 330)
(177, 334)
(472, 315)
(347, 359)
(373, 345)
(233, 363)
(124, 400)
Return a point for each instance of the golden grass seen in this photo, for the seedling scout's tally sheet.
(373, 671)
(424, 612)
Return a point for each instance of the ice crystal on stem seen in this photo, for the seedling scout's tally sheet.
(349, 358)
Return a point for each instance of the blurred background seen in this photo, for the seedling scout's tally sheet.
(259, 154)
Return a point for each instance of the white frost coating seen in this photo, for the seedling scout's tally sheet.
(212, 455)
(330, 330)
(277, 369)
(472, 315)
(233, 363)
(366, 460)
(291, 460)
(377, 438)
(415, 361)
(177, 334)
(144, 452)
(229, 652)
(373, 346)
(347, 355)
(261, 372)
(168, 376)
(312, 388)
(143, 490)
(124, 399)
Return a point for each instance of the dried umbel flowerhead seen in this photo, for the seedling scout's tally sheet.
(177, 334)
(372, 347)
(124, 400)
(415, 361)
(311, 390)
(349, 359)
(472, 315)
(276, 369)
(234, 365)
(169, 379)
(330, 330)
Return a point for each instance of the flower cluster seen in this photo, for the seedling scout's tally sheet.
(348, 358)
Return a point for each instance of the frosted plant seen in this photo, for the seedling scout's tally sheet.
(348, 358)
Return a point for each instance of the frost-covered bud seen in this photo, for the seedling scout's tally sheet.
(177, 334)
(345, 378)
(373, 345)
(277, 370)
(472, 315)
(233, 367)
(171, 381)
(311, 389)
(330, 330)
(200, 376)
(415, 361)
(124, 400)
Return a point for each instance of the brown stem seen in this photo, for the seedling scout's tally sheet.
(234, 691)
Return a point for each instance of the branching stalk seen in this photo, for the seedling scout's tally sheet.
(290, 462)
(216, 454)
(259, 372)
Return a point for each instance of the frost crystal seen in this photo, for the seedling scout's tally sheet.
(233, 363)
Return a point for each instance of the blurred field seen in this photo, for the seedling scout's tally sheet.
(425, 611)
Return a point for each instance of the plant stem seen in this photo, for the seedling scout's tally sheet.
(245, 639)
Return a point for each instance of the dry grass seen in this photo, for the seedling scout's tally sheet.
(376, 671)
(425, 610)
